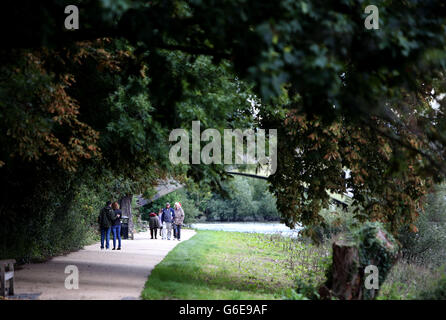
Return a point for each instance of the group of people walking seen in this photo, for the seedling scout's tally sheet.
(167, 219)
(110, 221)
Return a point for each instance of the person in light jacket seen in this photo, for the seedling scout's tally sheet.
(160, 213)
(178, 220)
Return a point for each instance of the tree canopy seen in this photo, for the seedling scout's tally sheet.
(353, 106)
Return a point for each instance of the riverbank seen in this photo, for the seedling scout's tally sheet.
(215, 265)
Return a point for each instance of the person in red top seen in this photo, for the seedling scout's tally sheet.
(154, 224)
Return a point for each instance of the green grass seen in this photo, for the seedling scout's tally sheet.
(230, 265)
(409, 280)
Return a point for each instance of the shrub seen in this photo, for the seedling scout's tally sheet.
(404, 281)
(437, 290)
(335, 221)
(59, 218)
(427, 245)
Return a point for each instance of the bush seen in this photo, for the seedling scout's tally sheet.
(437, 291)
(427, 246)
(309, 264)
(291, 294)
(416, 275)
(59, 218)
(335, 221)
(408, 280)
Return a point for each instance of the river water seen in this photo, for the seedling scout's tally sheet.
(252, 227)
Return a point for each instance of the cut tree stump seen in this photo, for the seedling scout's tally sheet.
(350, 258)
(347, 279)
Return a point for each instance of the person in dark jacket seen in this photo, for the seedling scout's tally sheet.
(167, 218)
(105, 221)
(116, 225)
(154, 224)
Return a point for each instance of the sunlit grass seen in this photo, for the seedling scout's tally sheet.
(407, 280)
(231, 265)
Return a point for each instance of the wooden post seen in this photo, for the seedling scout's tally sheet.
(2, 280)
(6, 275)
(11, 280)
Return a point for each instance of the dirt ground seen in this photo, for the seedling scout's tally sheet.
(103, 274)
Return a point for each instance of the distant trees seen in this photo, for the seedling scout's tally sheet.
(247, 199)
(190, 208)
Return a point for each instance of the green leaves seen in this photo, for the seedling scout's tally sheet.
(248, 200)
(160, 65)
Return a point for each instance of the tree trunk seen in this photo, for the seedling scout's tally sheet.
(126, 208)
(347, 278)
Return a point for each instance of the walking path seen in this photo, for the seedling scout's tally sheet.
(103, 274)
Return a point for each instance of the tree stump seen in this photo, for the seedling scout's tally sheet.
(372, 245)
(346, 276)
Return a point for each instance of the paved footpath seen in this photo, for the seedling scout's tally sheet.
(103, 274)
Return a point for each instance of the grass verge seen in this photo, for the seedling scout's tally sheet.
(230, 265)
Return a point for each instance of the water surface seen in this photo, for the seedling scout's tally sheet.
(252, 227)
